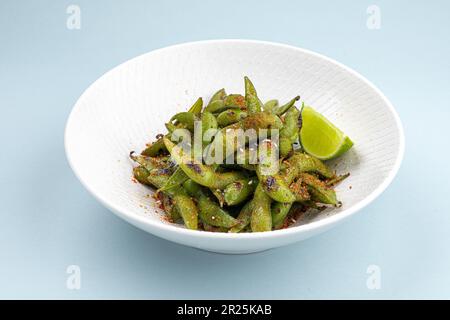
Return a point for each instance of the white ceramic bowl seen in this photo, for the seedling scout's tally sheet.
(129, 105)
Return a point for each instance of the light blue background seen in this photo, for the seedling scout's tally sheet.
(48, 221)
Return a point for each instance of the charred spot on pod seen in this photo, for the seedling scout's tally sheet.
(238, 185)
(270, 182)
(159, 136)
(163, 171)
(194, 166)
(171, 163)
(300, 121)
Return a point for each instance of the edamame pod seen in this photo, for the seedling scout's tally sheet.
(234, 101)
(261, 217)
(306, 163)
(334, 181)
(150, 163)
(141, 175)
(209, 211)
(200, 173)
(243, 218)
(319, 190)
(270, 181)
(230, 116)
(196, 107)
(215, 106)
(175, 180)
(169, 207)
(254, 105)
(285, 146)
(300, 190)
(186, 118)
(187, 209)
(270, 105)
(155, 148)
(282, 109)
(219, 95)
(279, 212)
(238, 191)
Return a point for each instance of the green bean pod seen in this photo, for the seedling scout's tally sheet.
(169, 207)
(186, 208)
(175, 180)
(271, 105)
(300, 190)
(306, 163)
(200, 173)
(219, 95)
(170, 127)
(254, 105)
(235, 101)
(159, 176)
(273, 184)
(279, 212)
(196, 108)
(217, 102)
(230, 116)
(285, 146)
(247, 160)
(209, 121)
(319, 190)
(282, 109)
(290, 127)
(213, 214)
(209, 211)
(219, 196)
(334, 181)
(216, 106)
(186, 118)
(261, 216)
(238, 191)
(149, 163)
(260, 120)
(210, 228)
(155, 148)
(243, 218)
(249, 87)
(184, 205)
(141, 175)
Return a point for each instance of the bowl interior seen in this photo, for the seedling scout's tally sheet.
(127, 108)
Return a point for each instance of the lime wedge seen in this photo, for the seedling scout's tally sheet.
(320, 138)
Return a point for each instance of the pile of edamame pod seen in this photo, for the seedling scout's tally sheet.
(236, 197)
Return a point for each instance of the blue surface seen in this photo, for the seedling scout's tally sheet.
(48, 221)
